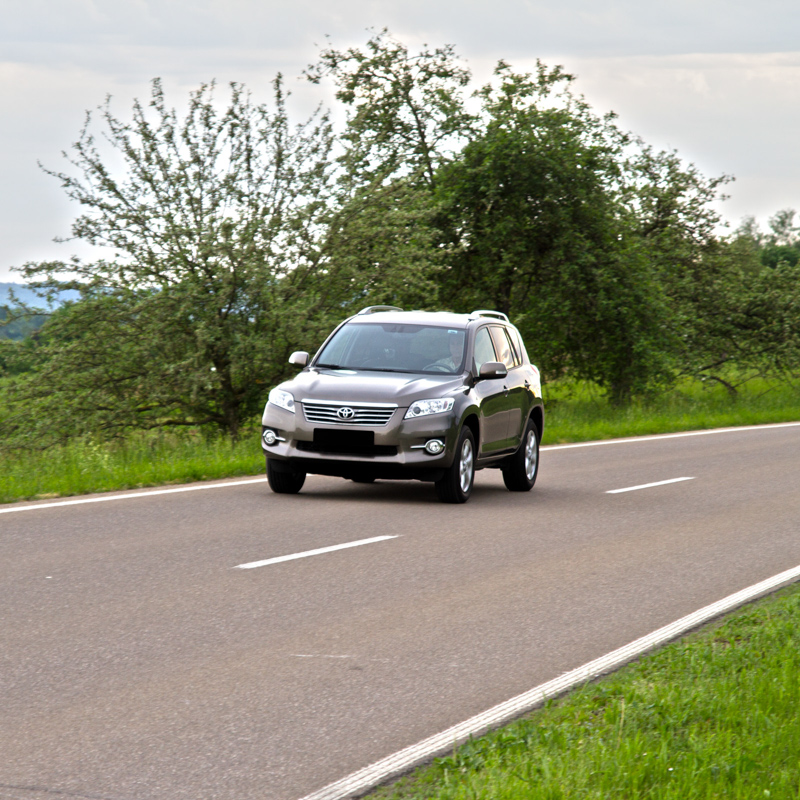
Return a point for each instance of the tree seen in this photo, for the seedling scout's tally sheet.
(216, 221)
(407, 110)
(783, 243)
(532, 205)
(406, 116)
(745, 306)
(385, 239)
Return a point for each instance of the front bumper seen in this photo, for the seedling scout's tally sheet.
(396, 451)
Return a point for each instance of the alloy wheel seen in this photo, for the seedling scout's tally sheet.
(465, 466)
(531, 455)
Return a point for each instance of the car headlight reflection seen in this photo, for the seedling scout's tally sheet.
(419, 408)
(282, 399)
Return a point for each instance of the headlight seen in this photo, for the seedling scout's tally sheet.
(282, 399)
(420, 408)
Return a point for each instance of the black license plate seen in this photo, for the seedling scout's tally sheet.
(354, 442)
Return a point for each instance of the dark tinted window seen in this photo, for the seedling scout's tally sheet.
(484, 349)
(505, 351)
(392, 347)
(516, 340)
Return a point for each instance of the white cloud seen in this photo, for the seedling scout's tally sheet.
(719, 80)
(729, 113)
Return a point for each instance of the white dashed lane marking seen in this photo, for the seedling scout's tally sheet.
(647, 485)
(317, 552)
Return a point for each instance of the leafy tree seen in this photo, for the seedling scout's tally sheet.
(745, 300)
(747, 320)
(406, 115)
(216, 221)
(784, 230)
(533, 207)
(782, 243)
(407, 111)
(385, 241)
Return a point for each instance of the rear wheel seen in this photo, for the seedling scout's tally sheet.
(521, 472)
(283, 480)
(456, 485)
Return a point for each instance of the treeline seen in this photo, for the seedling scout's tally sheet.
(242, 236)
(19, 326)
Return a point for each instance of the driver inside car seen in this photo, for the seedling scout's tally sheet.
(455, 343)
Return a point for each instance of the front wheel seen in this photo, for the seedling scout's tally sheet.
(456, 485)
(283, 481)
(521, 472)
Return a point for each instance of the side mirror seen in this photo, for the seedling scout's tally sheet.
(299, 358)
(492, 369)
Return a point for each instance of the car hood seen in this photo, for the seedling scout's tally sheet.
(354, 387)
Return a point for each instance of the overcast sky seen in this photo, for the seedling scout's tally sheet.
(718, 80)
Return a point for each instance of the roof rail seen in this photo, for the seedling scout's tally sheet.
(375, 309)
(483, 312)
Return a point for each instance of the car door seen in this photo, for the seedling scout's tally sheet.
(516, 389)
(492, 396)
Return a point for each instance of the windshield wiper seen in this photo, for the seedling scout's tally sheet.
(362, 369)
(383, 369)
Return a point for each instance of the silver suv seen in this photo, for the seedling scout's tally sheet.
(409, 394)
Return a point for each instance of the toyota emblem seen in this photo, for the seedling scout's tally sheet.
(345, 413)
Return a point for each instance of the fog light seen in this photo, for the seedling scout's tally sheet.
(434, 447)
(270, 437)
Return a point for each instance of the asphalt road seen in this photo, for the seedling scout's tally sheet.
(138, 663)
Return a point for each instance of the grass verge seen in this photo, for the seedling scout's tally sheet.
(579, 412)
(713, 715)
(574, 413)
(142, 460)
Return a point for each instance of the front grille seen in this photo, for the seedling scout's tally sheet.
(349, 443)
(373, 415)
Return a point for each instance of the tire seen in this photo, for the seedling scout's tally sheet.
(456, 485)
(522, 469)
(282, 480)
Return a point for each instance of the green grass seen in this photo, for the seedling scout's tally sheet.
(142, 460)
(574, 413)
(578, 412)
(714, 715)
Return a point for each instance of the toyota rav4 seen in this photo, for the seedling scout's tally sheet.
(395, 394)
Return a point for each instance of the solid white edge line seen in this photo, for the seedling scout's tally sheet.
(151, 493)
(659, 436)
(647, 485)
(404, 760)
(318, 551)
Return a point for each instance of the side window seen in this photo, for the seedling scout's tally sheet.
(516, 340)
(503, 347)
(484, 350)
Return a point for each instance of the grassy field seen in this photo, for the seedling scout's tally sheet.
(143, 460)
(578, 412)
(573, 413)
(714, 715)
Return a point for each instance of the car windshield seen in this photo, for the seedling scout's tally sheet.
(391, 347)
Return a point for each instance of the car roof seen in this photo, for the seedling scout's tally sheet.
(444, 319)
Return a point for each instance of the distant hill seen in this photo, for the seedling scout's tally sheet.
(19, 329)
(22, 328)
(26, 295)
